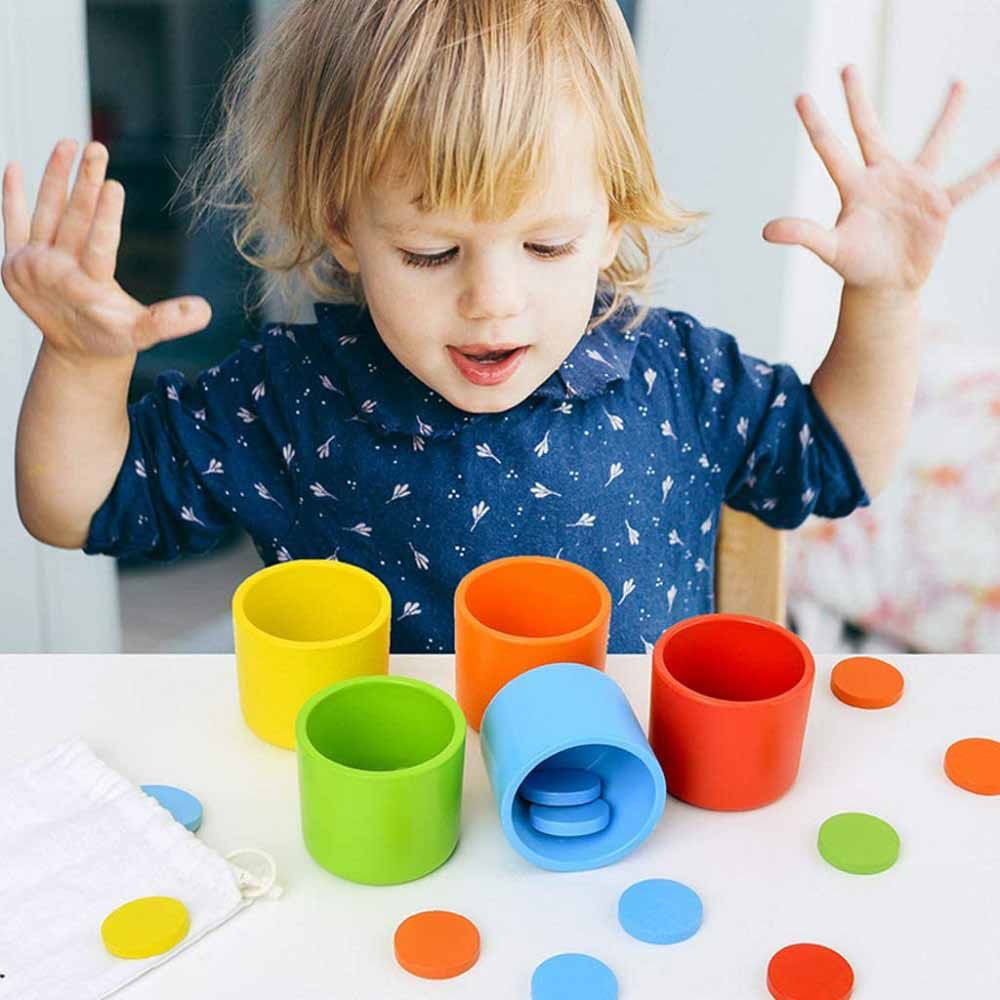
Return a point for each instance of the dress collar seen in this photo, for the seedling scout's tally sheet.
(385, 392)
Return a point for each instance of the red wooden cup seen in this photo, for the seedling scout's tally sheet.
(728, 706)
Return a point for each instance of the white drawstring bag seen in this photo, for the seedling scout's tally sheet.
(77, 840)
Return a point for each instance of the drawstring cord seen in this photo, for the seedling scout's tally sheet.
(251, 886)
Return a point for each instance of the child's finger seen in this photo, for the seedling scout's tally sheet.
(100, 248)
(930, 156)
(75, 222)
(975, 181)
(52, 192)
(837, 160)
(171, 319)
(16, 221)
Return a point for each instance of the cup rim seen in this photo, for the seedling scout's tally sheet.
(239, 612)
(462, 609)
(721, 617)
(305, 746)
(609, 856)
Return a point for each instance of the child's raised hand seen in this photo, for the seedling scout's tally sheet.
(894, 214)
(59, 265)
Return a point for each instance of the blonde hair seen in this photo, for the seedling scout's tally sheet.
(463, 90)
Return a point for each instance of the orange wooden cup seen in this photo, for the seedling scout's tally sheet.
(521, 612)
(728, 705)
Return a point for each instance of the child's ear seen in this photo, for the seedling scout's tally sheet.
(343, 251)
(612, 242)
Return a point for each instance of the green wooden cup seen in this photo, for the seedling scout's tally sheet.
(380, 762)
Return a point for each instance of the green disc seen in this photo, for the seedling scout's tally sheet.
(858, 843)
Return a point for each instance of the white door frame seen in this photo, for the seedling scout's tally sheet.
(51, 600)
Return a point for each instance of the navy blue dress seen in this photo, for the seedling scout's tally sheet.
(322, 445)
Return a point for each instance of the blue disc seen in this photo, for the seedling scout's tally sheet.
(183, 806)
(573, 977)
(561, 786)
(660, 911)
(570, 821)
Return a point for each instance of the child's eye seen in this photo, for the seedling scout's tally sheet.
(561, 250)
(426, 260)
(435, 260)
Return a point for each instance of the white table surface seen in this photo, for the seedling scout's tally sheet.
(927, 928)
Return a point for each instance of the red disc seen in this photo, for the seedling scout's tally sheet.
(437, 944)
(809, 972)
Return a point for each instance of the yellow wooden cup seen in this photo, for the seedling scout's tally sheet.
(299, 626)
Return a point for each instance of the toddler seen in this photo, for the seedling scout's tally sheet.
(465, 188)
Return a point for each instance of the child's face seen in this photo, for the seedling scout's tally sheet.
(494, 286)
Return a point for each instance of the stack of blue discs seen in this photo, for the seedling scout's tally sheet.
(565, 802)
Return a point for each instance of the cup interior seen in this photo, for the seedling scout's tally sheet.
(379, 725)
(628, 788)
(533, 599)
(734, 660)
(313, 602)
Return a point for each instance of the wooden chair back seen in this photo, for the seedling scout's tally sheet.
(749, 567)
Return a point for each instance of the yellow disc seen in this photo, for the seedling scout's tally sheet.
(145, 927)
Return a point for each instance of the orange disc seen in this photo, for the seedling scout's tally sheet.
(437, 944)
(809, 972)
(974, 765)
(866, 682)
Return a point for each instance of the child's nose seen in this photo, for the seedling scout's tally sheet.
(493, 290)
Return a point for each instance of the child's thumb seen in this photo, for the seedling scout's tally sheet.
(170, 320)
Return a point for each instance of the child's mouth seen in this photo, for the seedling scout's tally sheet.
(488, 367)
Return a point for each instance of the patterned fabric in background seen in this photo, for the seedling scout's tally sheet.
(922, 564)
(322, 445)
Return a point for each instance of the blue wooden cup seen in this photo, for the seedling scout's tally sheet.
(566, 715)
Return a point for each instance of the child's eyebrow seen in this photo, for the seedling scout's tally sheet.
(554, 221)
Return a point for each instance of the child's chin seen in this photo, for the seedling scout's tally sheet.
(497, 403)
(487, 399)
